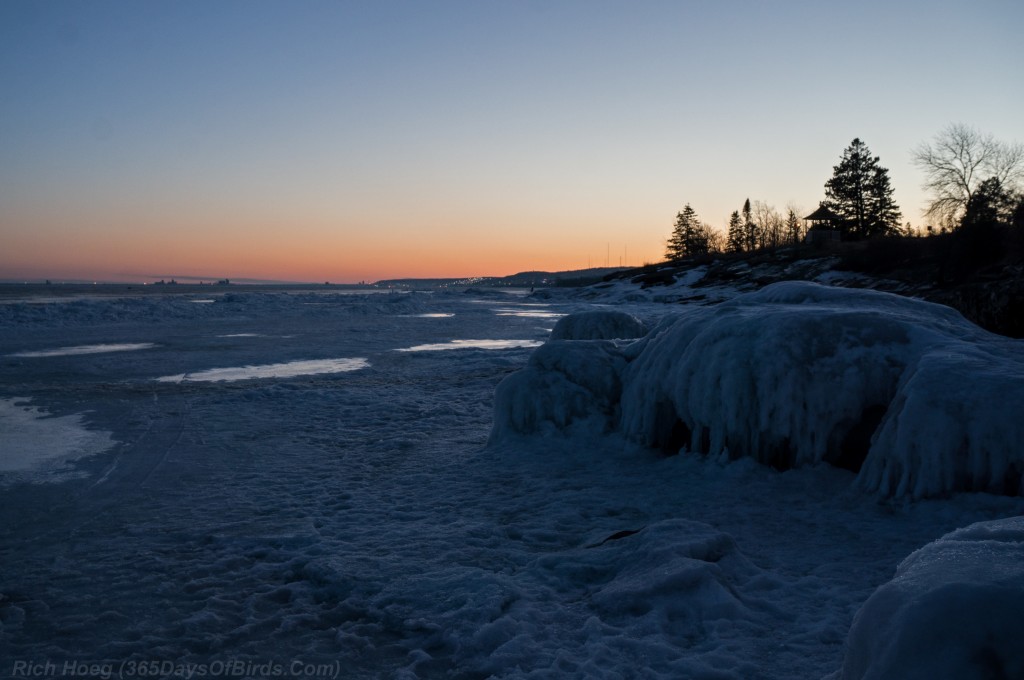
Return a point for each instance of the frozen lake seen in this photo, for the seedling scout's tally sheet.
(256, 479)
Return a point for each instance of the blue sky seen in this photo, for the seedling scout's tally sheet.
(355, 140)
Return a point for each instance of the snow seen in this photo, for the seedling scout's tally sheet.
(37, 445)
(953, 610)
(602, 324)
(954, 425)
(471, 344)
(91, 311)
(86, 349)
(918, 400)
(567, 385)
(288, 369)
(528, 313)
(361, 518)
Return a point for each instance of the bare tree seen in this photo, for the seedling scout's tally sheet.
(715, 239)
(770, 224)
(955, 164)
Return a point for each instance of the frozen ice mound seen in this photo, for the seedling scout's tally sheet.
(598, 325)
(909, 394)
(954, 425)
(567, 385)
(953, 610)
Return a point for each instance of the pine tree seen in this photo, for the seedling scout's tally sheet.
(688, 238)
(885, 214)
(750, 229)
(990, 204)
(792, 226)
(860, 193)
(736, 238)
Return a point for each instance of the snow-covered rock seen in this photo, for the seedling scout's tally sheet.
(567, 384)
(953, 610)
(799, 374)
(955, 424)
(918, 400)
(598, 325)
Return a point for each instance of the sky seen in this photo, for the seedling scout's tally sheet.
(346, 141)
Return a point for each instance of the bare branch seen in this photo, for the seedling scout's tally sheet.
(957, 161)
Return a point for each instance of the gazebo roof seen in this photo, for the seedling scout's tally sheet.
(823, 214)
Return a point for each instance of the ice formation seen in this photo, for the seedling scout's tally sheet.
(77, 312)
(35, 443)
(598, 325)
(356, 519)
(953, 610)
(908, 393)
(566, 385)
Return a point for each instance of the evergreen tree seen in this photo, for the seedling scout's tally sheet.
(736, 238)
(750, 230)
(981, 238)
(792, 227)
(688, 236)
(860, 193)
(1017, 218)
(884, 214)
(989, 205)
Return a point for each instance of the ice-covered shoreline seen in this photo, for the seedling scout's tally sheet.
(908, 394)
(360, 517)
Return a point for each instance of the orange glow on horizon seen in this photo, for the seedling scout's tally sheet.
(137, 251)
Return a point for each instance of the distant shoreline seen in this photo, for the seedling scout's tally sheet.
(37, 292)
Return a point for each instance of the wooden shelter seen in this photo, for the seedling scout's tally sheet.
(823, 226)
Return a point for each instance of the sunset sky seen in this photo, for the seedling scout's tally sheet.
(347, 141)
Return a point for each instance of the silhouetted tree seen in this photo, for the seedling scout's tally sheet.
(859, 192)
(769, 225)
(980, 239)
(750, 230)
(955, 164)
(715, 240)
(1017, 220)
(990, 205)
(793, 228)
(736, 238)
(689, 236)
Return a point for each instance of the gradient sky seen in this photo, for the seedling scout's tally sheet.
(344, 141)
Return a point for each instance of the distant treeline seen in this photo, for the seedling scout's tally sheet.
(975, 184)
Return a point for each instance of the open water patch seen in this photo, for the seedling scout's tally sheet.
(473, 344)
(290, 369)
(86, 349)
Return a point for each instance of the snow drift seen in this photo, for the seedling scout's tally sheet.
(953, 610)
(911, 395)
